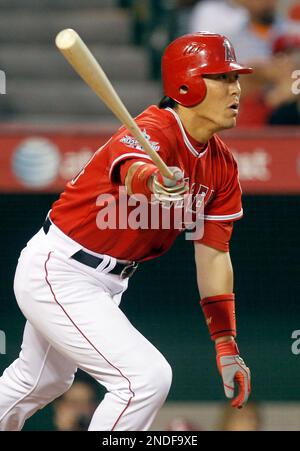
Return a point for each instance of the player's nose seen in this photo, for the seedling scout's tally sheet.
(235, 88)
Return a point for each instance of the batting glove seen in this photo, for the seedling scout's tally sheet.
(234, 372)
(168, 190)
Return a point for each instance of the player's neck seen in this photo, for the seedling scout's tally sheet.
(199, 129)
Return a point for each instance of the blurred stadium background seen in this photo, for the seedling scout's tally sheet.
(50, 123)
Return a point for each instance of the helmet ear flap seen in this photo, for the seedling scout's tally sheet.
(191, 93)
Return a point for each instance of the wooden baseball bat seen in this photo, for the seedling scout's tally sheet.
(79, 56)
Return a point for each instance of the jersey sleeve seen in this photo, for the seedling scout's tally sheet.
(125, 146)
(224, 208)
(226, 203)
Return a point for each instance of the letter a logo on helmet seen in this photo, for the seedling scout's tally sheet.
(229, 51)
(189, 57)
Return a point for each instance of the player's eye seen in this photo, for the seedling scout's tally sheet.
(227, 76)
(221, 77)
(230, 78)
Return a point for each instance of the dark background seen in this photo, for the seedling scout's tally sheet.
(163, 300)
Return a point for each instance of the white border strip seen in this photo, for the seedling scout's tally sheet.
(223, 217)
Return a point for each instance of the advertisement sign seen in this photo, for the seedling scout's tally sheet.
(45, 160)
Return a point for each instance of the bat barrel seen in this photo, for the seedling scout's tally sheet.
(81, 59)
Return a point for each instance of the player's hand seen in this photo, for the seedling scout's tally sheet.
(168, 190)
(235, 374)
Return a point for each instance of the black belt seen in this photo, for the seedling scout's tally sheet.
(122, 269)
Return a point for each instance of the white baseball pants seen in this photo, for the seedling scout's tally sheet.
(74, 321)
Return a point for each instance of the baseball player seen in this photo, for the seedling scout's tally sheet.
(71, 275)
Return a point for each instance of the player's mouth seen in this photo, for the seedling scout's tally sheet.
(234, 107)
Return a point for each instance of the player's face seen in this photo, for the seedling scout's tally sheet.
(219, 109)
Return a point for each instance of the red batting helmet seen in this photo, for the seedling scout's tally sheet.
(189, 57)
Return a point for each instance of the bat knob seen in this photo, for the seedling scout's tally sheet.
(66, 39)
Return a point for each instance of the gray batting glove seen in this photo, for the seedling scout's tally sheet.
(168, 190)
(234, 373)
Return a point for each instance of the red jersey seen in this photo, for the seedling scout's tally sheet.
(210, 170)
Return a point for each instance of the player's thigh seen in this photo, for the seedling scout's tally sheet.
(84, 324)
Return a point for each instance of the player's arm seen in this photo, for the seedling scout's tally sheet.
(215, 282)
(141, 177)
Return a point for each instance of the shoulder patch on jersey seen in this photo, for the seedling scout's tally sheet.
(130, 141)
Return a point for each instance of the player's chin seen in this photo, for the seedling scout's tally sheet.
(229, 123)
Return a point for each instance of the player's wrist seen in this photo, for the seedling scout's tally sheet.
(228, 347)
(219, 313)
(224, 339)
(139, 180)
